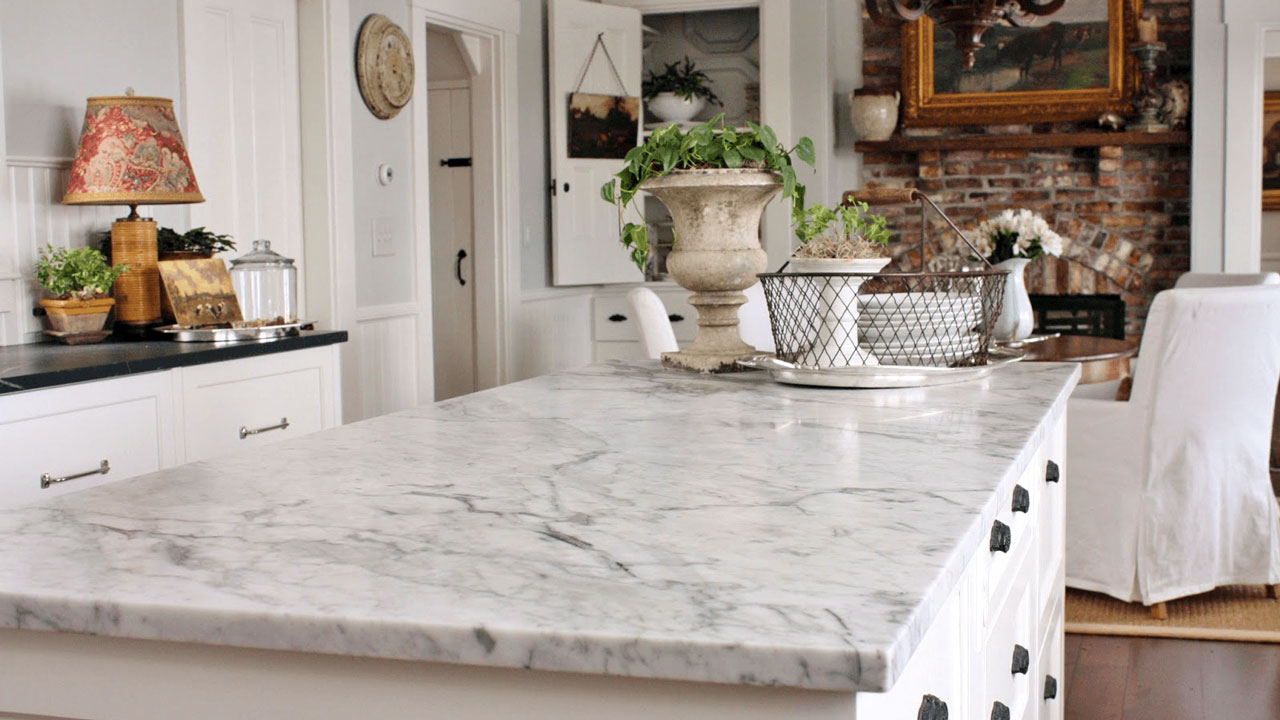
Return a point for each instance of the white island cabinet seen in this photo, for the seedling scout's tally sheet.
(615, 542)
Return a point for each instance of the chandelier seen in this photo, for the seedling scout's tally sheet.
(967, 19)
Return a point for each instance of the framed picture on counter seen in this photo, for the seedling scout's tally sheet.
(1071, 65)
(1271, 151)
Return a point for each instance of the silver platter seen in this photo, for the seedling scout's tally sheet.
(881, 376)
(230, 335)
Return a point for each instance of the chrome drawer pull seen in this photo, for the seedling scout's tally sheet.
(1021, 499)
(246, 432)
(46, 479)
(1050, 687)
(1001, 537)
(932, 708)
(1021, 660)
(1051, 472)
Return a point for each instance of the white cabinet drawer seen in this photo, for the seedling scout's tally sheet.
(224, 403)
(937, 670)
(68, 431)
(1023, 525)
(1010, 650)
(613, 319)
(1048, 693)
(1052, 537)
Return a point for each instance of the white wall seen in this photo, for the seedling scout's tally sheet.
(54, 54)
(535, 154)
(384, 279)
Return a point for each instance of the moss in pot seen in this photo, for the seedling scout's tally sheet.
(79, 281)
(716, 182)
(848, 239)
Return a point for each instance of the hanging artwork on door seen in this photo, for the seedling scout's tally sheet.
(602, 126)
(1271, 151)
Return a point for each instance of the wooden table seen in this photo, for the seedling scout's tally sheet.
(1101, 359)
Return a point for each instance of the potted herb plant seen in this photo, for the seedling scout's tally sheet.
(1010, 241)
(679, 93)
(716, 182)
(847, 239)
(192, 244)
(79, 281)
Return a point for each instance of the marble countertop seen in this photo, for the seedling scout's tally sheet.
(47, 364)
(615, 519)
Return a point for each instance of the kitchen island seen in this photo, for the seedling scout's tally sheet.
(614, 541)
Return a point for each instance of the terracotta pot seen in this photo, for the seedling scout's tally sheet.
(716, 215)
(77, 316)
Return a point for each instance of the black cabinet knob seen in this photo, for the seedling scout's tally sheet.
(1001, 537)
(999, 711)
(1021, 660)
(932, 708)
(675, 317)
(617, 317)
(1021, 499)
(1050, 687)
(1052, 473)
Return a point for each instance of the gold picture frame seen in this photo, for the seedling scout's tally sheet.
(923, 106)
(1271, 151)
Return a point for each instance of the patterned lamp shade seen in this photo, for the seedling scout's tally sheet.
(131, 153)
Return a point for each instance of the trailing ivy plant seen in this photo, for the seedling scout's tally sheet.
(80, 274)
(686, 81)
(710, 145)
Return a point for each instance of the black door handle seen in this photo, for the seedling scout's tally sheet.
(1021, 660)
(457, 268)
(1021, 499)
(617, 317)
(1001, 537)
(675, 317)
(1052, 473)
(932, 708)
(455, 162)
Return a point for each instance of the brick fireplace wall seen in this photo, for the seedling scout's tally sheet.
(1125, 211)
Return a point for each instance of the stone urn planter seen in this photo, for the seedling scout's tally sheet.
(717, 255)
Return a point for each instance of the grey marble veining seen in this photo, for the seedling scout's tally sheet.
(615, 519)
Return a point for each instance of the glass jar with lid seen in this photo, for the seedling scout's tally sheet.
(266, 284)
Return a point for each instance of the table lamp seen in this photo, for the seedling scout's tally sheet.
(131, 153)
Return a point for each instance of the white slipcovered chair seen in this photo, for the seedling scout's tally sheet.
(1169, 493)
(1204, 280)
(658, 337)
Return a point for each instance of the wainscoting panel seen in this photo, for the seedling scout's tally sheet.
(38, 218)
(553, 332)
(386, 354)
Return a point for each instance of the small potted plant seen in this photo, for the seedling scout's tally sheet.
(193, 244)
(679, 93)
(1010, 241)
(716, 182)
(79, 281)
(847, 239)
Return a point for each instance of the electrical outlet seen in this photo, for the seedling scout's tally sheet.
(383, 237)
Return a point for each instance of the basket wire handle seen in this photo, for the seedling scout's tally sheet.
(903, 196)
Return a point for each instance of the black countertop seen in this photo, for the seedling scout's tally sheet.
(44, 365)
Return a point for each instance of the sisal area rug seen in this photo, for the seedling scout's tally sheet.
(1240, 613)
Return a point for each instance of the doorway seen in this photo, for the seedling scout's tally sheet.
(451, 187)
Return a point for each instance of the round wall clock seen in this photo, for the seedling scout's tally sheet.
(384, 66)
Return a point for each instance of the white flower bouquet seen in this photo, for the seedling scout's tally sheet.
(1016, 233)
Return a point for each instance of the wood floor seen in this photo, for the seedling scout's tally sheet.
(1122, 678)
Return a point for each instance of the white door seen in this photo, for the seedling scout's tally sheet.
(452, 241)
(585, 248)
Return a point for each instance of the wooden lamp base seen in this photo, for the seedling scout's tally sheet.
(133, 243)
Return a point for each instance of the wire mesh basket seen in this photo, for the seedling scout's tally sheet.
(919, 319)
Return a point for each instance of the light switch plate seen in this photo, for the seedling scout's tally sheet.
(383, 237)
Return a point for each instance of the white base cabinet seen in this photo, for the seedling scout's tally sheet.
(995, 650)
(615, 331)
(77, 436)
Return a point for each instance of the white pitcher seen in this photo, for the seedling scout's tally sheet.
(874, 116)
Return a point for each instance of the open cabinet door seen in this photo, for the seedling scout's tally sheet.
(585, 247)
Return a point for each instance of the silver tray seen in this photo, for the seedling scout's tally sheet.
(230, 335)
(880, 376)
